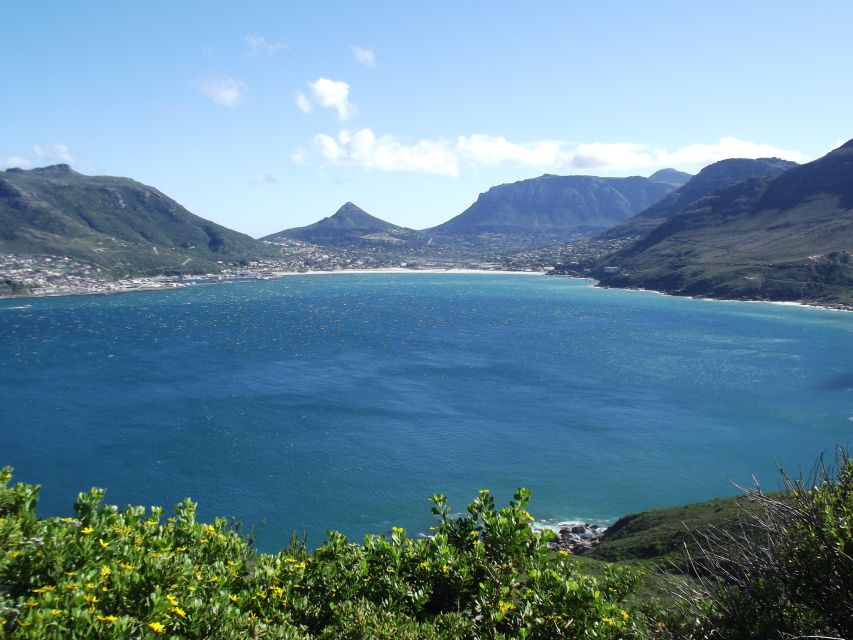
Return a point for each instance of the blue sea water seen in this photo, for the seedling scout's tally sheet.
(343, 401)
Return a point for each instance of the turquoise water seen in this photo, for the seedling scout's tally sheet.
(343, 401)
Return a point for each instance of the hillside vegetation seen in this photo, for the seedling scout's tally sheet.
(111, 573)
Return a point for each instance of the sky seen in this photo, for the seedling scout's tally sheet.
(263, 116)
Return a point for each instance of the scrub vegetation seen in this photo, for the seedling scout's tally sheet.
(782, 569)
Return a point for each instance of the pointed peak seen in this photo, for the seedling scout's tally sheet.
(350, 207)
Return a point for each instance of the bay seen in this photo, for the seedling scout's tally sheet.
(343, 401)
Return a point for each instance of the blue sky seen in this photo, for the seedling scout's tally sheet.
(268, 115)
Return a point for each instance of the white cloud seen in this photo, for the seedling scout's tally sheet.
(264, 178)
(441, 157)
(299, 156)
(484, 150)
(259, 46)
(225, 91)
(364, 55)
(333, 94)
(15, 162)
(386, 153)
(303, 102)
(704, 154)
(53, 153)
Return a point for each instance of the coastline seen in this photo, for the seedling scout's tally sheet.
(132, 285)
(785, 303)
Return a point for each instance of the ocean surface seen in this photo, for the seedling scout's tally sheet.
(343, 401)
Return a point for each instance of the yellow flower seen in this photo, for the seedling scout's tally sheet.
(156, 627)
(103, 544)
(105, 571)
(262, 595)
(476, 543)
(474, 534)
(126, 567)
(483, 492)
(505, 606)
(445, 569)
(179, 612)
(397, 531)
(45, 589)
(55, 613)
(86, 531)
(14, 554)
(70, 574)
(172, 599)
(234, 598)
(107, 618)
(609, 622)
(624, 614)
(423, 565)
(277, 591)
(563, 552)
(66, 520)
(32, 603)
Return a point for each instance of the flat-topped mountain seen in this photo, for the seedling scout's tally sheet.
(117, 224)
(713, 177)
(350, 224)
(555, 206)
(788, 237)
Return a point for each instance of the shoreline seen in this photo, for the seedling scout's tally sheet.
(214, 279)
(275, 275)
(784, 303)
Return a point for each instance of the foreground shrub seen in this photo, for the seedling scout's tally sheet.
(788, 572)
(111, 573)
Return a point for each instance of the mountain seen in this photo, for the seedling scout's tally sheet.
(713, 177)
(788, 237)
(555, 207)
(118, 224)
(349, 225)
(671, 176)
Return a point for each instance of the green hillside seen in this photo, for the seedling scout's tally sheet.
(715, 176)
(120, 225)
(787, 238)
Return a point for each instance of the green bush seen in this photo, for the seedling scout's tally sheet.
(111, 573)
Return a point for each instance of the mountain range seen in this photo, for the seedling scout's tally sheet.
(751, 229)
(785, 237)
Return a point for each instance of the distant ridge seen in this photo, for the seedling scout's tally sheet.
(555, 206)
(708, 180)
(350, 224)
(670, 176)
(788, 237)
